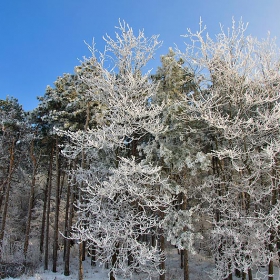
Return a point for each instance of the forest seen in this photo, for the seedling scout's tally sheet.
(117, 162)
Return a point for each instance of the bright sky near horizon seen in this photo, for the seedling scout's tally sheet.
(41, 40)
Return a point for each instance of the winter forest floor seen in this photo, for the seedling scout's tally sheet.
(200, 268)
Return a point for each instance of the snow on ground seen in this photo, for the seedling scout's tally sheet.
(199, 268)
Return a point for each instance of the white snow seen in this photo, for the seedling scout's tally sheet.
(199, 268)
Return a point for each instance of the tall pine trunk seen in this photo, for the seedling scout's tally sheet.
(7, 193)
(162, 248)
(185, 251)
(31, 199)
(272, 231)
(81, 270)
(83, 163)
(46, 261)
(271, 238)
(68, 221)
(42, 235)
(2, 191)
(57, 201)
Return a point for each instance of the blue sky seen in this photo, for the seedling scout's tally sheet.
(42, 39)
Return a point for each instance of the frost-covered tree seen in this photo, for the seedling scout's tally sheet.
(122, 197)
(238, 100)
(19, 165)
(179, 149)
(65, 106)
(12, 127)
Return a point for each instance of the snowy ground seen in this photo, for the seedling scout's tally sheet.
(200, 267)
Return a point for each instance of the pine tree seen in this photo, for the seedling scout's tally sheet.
(13, 129)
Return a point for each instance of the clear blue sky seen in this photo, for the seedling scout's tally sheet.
(42, 39)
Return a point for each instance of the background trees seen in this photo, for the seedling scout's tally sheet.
(19, 158)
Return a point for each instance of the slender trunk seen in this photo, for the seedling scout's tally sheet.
(278, 229)
(93, 255)
(278, 246)
(270, 270)
(62, 184)
(55, 238)
(237, 273)
(46, 262)
(7, 193)
(186, 264)
(185, 251)
(112, 275)
(69, 225)
(42, 235)
(272, 232)
(66, 221)
(270, 264)
(81, 271)
(2, 192)
(250, 275)
(84, 251)
(153, 238)
(81, 246)
(216, 170)
(31, 200)
(162, 248)
(114, 262)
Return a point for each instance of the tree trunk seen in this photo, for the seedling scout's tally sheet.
(81, 245)
(42, 235)
(81, 271)
(181, 252)
(162, 248)
(270, 270)
(93, 256)
(46, 262)
(7, 193)
(250, 276)
(31, 199)
(62, 183)
(153, 239)
(186, 264)
(68, 220)
(114, 262)
(84, 250)
(278, 246)
(185, 251)
(272, 233)
(2, 192)
(57, 200)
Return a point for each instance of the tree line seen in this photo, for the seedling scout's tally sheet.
(121, 162)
